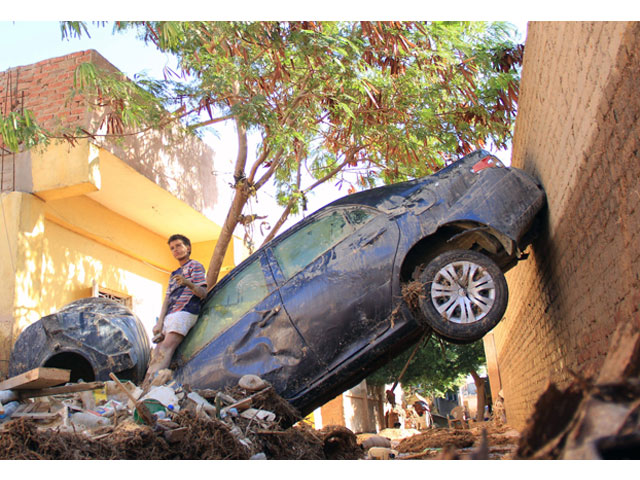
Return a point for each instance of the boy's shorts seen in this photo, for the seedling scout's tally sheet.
(179, 322)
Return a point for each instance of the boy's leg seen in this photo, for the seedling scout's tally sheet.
(161, 355)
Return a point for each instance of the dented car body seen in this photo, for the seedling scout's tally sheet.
(321, 306)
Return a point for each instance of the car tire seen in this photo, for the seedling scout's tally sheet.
(465, 296)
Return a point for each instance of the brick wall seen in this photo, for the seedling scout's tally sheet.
(577, 130)
(44, 88)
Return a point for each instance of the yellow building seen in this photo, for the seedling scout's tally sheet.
(93, 219)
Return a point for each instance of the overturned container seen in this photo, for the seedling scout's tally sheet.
(91, 337)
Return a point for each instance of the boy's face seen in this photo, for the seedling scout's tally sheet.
(179, 250)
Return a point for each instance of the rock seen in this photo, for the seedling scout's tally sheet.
(252, 383)
(376, 441)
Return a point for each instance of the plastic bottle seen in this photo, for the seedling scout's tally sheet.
(9, 408)
(89, 420)
(161, 414)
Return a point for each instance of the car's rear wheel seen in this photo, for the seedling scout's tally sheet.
(465, 295)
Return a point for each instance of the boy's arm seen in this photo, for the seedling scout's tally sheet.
(196, 274)
(163, 312)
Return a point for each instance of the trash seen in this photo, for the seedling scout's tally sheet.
(154, 407)
(252, 413)
(198, 400)
(48, 428)
(88, 400)
(110, 408)
(376, 441)
(88, 420)
(9, 408)
(140, 407)
(381, 453)
(165, 395)
(100, 395)
(175, 435)
(252, 383)
(258, 456)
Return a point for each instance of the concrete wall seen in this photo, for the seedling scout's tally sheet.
(577, 130)
(55, 262)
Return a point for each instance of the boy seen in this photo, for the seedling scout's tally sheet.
(187, 287)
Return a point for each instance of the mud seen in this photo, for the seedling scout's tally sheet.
(441, 443)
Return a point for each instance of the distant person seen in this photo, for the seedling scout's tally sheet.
(187, 287)
(424, 412)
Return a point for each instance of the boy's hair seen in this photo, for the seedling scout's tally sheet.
(185, 240)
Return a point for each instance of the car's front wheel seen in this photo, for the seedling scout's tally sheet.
(465, 295)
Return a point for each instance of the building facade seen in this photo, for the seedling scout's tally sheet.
(93, 218)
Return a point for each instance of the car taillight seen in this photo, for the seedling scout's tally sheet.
(486, 162)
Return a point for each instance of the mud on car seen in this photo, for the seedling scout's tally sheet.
(321, 306)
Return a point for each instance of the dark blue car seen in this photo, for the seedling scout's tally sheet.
(321, 306)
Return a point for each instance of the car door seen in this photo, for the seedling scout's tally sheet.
(243, 329)
(337, 280)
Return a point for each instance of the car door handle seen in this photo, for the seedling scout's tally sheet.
(368, 241)
(268, 315)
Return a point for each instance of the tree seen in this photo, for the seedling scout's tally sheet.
(436, 368)
(386, 100)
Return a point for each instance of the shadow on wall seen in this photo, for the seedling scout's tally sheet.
(61, 267)
(176, 161)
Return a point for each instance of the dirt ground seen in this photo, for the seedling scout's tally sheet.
(440, 443)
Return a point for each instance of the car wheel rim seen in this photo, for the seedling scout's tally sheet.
(463, 292)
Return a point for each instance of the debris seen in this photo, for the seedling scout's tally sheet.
(591, 419)
(71, 388)
(8, 410)
(114, 429)
(161, 377)
(176, 435)
(36, 378)
(165, 395)
(262, 415)
(381, 453)
(252, 383)
(200, 401)
(375, 441)
(88, 420)
(340, 443)
(142, 409)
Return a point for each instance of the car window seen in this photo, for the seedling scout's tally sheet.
(359, 216)
(302, 247)
(226, 306)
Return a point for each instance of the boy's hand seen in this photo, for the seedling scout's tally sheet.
(180, 280)
(157, 329)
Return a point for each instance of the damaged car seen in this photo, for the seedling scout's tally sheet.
(321, 306)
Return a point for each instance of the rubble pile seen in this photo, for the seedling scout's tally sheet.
(489, 441)
(120, 421)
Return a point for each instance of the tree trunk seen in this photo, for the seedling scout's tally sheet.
(480, 395)
(240, 197)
